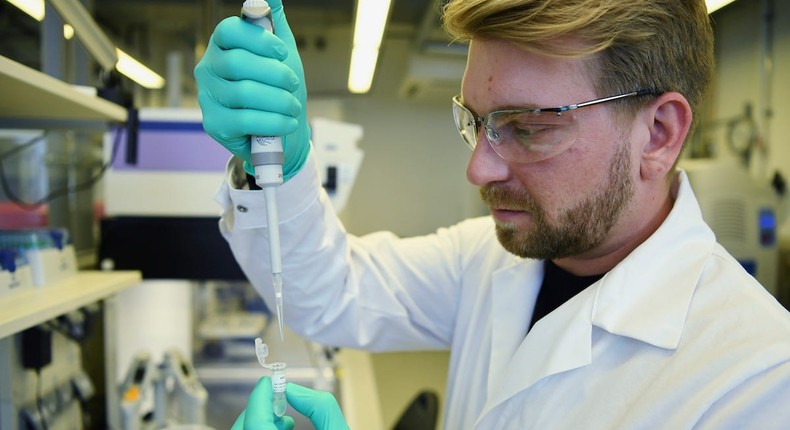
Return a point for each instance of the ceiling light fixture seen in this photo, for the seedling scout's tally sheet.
(137, 71)
(80, 22)
(34, 8)
(369, 24)
(714, 5)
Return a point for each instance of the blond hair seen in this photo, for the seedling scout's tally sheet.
(666, 45)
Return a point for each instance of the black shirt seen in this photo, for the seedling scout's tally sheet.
(557, 288)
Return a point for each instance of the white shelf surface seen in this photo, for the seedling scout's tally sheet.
(30, 94)
(21, 310)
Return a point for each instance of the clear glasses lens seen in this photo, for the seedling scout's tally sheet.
(465, 122)
(525, 136)
(519, 135)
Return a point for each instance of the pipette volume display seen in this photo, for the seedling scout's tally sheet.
(267, 159)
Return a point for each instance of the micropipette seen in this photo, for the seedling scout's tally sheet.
(267, 158)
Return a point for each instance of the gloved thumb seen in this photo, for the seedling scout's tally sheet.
(281, 27)
(320, 407)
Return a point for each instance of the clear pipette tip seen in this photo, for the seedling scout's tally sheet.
(277, 280)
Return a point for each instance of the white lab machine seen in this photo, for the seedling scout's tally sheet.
(162, 396)
(180, 397)
(137, 391)
(743, 213)
(338, 157)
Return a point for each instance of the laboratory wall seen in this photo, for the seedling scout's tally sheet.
(413, 177)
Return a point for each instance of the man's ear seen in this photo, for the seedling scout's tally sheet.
(668, 121)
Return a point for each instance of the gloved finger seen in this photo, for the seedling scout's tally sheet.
(281, 27)
(320, 407)
(227, 124)
(239, 423)
(233, 32)
(284, 423)
(280, 423)
(238, 65)
(258, 413)
(253, 95)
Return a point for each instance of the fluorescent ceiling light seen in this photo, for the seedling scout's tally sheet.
(94, 39)
(363, 65)
(88, 31)
(714, 5)
(137, 71)
(34, 8)
(369, 24)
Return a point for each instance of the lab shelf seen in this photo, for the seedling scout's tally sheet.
(30, 94)
(21, 310)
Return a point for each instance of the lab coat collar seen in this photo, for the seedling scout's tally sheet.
(639, 299)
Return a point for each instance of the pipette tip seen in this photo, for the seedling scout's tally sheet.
(280, 321)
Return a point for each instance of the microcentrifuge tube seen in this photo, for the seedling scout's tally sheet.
(279, 402)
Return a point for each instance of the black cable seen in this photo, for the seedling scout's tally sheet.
(39, 400)
(23, 146)
(58, 192)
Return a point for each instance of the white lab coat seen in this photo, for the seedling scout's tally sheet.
(676, 336)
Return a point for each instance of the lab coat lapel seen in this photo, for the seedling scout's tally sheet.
(514, 291)
(558, 342)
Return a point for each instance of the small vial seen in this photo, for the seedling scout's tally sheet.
(279, 402)
(278, 387)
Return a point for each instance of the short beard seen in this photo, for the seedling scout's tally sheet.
(578, 229)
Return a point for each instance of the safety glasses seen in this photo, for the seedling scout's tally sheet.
(527, 135)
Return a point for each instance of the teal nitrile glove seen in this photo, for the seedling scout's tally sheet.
(320, 407)
(258, 415)
(251, 83)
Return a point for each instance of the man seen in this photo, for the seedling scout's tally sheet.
(594, 296)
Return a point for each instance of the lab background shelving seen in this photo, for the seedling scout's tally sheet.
(27, 308)
(30, 94)
(32, 99)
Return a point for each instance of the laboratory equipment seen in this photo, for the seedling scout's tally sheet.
(338, 157)
(279, 403)
(48, 251)
(137, 391)
(164, 395)
(742, 212)
(180, 397)
(267, 158)
(15, 272)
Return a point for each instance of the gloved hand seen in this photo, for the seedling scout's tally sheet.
(251, 82)
(259, 414)
(318, 406)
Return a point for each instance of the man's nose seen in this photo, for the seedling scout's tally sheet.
(485, 166)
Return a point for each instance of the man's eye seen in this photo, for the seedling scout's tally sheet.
(530, 130)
